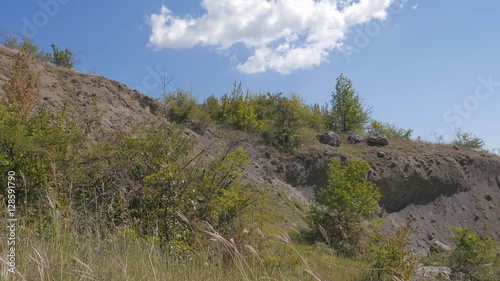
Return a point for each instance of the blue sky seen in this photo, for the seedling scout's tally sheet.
(426, 65)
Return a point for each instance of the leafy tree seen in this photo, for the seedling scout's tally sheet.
(348, 114)
(62, 58)
(40, 148)
(341, 206)
(214, 108)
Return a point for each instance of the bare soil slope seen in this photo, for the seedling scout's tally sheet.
(433, 186)
(62, 87)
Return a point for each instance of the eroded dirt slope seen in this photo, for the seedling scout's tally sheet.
(433, 186)
(118, 105)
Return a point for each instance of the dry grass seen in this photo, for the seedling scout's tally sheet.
(62, 255)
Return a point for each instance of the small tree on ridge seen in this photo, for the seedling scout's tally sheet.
(348, 113)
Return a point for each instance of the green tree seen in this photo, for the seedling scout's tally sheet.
(348, 114)
(342, 205)
(62, 58)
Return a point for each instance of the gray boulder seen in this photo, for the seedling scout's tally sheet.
(438, 247)
(330, 138)
(353, 138)
(377, 141)
(432, 273)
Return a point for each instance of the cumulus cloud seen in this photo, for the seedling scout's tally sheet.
(284, 35)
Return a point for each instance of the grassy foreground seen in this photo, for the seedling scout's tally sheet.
(58, 253)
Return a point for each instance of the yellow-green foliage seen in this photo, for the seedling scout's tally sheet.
(341, 206)
(62, 58)
(474, 255)
(180, 105)
(378, 128)
(236, 109)
(282, 121)
(153, 175)
(390, 257)
(39, 146)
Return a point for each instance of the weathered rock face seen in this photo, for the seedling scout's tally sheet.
(434, 187)
(377, 141)
(353, 139)
(437, 191)
(438, 247)
(432, 273)
(329, 138)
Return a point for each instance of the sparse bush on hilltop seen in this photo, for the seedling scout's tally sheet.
(281, 121)
(378, 128)
(467, 140)
(64, 58)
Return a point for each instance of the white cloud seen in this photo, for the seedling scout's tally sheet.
(414, 7)
(284, 35)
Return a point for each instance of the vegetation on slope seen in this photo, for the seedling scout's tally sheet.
(158, 207)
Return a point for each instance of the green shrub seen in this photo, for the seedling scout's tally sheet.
(180, 105)
(377, 128)
(62, 58)
(283, 122)
(467, 140)
(286, 125)
(342, 205)
(474, 256)
(390, 257)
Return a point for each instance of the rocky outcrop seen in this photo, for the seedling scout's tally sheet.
(377, 141)
(438, 247)
(435, 187)
(432, 273)
(353, 139)
(329, 138)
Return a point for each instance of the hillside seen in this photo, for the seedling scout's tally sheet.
(62, 87)
(432, 185)
(436, 186)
